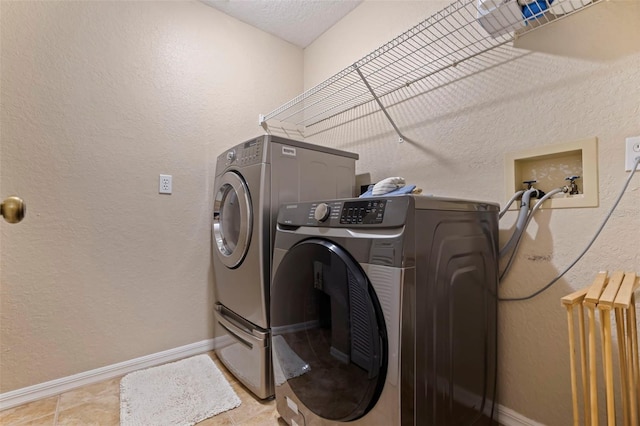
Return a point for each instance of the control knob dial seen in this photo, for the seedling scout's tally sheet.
(231, 155)
(322, 212)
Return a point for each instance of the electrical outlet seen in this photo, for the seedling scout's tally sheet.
(165, 184)
(632, 151)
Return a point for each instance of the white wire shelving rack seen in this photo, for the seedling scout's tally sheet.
(427, 53)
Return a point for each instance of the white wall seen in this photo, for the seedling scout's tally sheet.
(98, 99)
(577, 79)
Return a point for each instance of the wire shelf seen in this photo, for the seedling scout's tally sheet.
(461, 31)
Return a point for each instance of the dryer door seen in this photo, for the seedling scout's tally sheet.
(330, 342)
(232, 219)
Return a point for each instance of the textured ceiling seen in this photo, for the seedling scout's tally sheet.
(297, 21)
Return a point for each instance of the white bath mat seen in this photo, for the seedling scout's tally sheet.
(180, 393)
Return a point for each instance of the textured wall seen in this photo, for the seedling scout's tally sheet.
(576, 79)
(98, 99)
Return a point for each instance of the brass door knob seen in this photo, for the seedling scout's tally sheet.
(13, 209)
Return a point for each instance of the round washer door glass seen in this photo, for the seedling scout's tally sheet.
(329, 335)
(232, 219)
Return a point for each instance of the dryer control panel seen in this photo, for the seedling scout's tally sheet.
(347, 213)
(250, 152)
(244, 154)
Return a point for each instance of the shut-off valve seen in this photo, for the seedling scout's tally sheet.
(572, 187)
(536, 193)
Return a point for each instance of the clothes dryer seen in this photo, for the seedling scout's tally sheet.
(252, 180)
(384, 311)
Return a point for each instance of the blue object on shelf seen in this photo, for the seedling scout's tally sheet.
(532, 10)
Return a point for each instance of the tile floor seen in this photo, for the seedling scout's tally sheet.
(99, 404)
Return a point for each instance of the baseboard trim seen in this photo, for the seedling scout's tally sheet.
(64, 384)
(508, 417)
(504, 415)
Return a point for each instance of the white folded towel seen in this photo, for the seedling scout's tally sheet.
(387, 185)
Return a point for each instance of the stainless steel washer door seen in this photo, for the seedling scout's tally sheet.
(232, 219)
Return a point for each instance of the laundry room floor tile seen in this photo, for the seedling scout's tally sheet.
(38, 412)
(99, 404)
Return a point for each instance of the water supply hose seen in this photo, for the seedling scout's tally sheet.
(517, 195)
(522, 219)
(529, 217)
(572, 264)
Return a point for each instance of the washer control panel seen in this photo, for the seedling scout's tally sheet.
(347, 213)
(367, 212)
(322, 212)
(326, 211)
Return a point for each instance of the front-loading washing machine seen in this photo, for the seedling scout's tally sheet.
(384, 311)
(252, 180)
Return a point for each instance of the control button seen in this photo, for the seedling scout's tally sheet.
(231, 155)
(322, 212)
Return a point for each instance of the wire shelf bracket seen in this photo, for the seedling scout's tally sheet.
(384, 110)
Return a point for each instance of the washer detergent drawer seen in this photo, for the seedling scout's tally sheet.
(247, 352)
